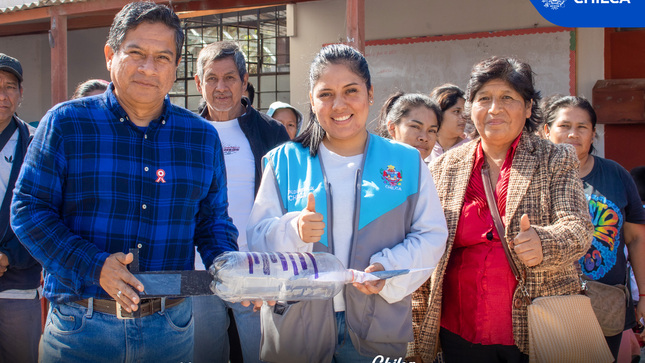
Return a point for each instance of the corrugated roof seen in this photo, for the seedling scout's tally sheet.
(8, 6)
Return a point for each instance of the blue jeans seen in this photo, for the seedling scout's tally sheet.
(211, 325)
(345, 351)
(19, 330)
(77, 334)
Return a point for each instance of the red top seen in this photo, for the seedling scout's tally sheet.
(478, 283)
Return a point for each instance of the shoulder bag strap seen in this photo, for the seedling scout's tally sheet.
(499, 226)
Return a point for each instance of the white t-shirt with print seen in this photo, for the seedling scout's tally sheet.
(240, 177)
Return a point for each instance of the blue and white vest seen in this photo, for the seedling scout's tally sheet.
(387, 184)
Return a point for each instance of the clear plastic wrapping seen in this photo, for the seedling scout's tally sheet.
(282, 276)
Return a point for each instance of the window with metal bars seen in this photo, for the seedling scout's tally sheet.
(262, 36)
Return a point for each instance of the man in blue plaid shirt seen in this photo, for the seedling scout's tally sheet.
(125, 169)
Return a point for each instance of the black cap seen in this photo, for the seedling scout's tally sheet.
(11, 65)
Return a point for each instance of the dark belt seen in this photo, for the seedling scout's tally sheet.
(146, 307)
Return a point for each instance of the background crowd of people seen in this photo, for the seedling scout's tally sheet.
(120, 167)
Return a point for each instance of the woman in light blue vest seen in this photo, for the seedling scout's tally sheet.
(368, 200)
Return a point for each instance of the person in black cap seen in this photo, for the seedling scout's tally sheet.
(19, 272)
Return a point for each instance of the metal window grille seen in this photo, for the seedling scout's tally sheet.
(262, 35)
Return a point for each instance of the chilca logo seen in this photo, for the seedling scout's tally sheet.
(555, 4)
(602, 1)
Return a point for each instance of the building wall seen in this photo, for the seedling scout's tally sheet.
(85, 56)
(625, 59)
(323, 22)
(33, 53)
(85, 60)
(590, 67)
(317, 23)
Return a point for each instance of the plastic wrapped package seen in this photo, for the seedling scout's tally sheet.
(281, 276)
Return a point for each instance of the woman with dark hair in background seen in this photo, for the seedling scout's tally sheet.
(614, 203)
(450, 99)
(473, 305)
(383, 214)
(91, 87)
(410, 118)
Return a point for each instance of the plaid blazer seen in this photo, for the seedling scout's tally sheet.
(544, 184)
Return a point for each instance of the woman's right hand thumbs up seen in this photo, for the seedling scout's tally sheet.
(310, 223)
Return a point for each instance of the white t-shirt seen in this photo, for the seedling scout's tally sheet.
(240, 177)
(341, 171)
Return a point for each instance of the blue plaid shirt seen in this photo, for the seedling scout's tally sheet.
(94, 184)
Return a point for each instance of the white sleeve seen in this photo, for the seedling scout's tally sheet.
(421, 248)
(268, 229)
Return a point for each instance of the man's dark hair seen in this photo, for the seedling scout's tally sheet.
(136, 13)
(251, 91)
(638, 174)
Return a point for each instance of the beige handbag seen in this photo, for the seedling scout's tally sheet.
(561, 328)
(564, 329)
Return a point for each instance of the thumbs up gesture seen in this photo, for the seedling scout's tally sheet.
(527, 244)
(310, 223)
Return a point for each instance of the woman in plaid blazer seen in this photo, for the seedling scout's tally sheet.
(472, 299)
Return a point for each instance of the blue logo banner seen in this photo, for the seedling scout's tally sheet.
(592, 13)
